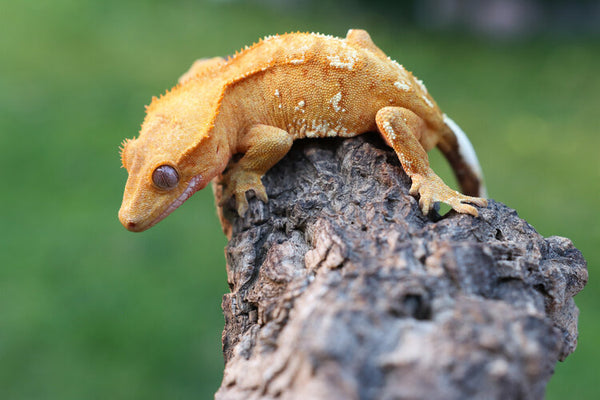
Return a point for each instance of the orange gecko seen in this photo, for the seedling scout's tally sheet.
(283, 88)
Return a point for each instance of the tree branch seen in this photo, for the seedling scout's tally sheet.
(342, 289)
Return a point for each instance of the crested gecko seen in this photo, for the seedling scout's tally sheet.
(283, 88)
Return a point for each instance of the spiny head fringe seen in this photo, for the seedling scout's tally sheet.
(122, 148)
(155, 99)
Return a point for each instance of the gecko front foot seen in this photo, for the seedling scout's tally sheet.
(236, 183)
(432, 189)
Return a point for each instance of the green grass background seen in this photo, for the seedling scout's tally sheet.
(89, 310)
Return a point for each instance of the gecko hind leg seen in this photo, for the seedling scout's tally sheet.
(403, 130)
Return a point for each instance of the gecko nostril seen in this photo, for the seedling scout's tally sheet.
(131, 225)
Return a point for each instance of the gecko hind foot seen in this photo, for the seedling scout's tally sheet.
(432, 189)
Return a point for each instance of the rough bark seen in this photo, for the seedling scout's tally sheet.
(342, 289)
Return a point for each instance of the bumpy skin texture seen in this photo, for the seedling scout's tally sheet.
(280, 89)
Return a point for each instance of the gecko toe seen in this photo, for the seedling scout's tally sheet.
(478, 201)
(241, 203)
(416, 186)
(425, 202)
(464, 208)
(261, 194)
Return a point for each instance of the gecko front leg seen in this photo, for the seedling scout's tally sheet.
(263, 146)
(402, 129)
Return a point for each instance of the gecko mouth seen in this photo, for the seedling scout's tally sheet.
(193, 186)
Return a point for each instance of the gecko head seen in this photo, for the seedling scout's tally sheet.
(166, 167)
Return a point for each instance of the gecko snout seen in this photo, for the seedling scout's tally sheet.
(132, 226)
(129, 223)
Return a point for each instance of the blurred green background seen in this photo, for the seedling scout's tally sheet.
(89, 310)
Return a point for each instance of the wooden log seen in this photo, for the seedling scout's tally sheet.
(342, 289)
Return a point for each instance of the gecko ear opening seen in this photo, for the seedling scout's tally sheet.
(165, 177)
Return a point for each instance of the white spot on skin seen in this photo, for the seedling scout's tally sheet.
(346, 61)
(319, 128)
(421, 85)
(405, 161)
(336, 62)
(297, 128)
(387, 127)
(402, 85)
(277, 92)
(300, 106)
(345, 133)
(335, 101)
(299, 53)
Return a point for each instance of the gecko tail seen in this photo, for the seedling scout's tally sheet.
(459, 152)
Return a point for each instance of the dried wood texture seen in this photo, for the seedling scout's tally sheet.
(342, 289)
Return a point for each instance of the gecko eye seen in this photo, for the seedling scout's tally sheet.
(165, 177)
